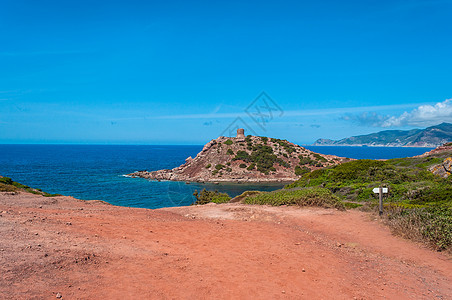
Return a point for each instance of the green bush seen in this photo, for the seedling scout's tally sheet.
(251, 167)
(208, 166)
(243, 166)
(206, 196)
(230, 152)
(229, 142)
(300, 171)
(219, 167)
(242, 155)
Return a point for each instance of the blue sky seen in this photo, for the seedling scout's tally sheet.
(180, 72)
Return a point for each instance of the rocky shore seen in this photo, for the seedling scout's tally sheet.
(246, 159)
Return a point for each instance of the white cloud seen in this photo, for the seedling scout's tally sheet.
(424, 115)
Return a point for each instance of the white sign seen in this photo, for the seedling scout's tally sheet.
(383, 190)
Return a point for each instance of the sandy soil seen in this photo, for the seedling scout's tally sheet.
(66, 248)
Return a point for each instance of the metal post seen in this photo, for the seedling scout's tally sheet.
(381, 200)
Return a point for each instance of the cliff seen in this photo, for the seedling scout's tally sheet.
(433, 136)
(246, 159)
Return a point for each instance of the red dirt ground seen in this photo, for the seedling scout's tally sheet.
(71, 249)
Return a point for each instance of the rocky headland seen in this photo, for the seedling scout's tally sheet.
(246, 159)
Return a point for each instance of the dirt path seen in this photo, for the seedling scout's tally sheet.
(93, 250)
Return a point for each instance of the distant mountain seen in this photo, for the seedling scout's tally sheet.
(433, 136)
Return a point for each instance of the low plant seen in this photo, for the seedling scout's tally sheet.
(8, 185)
(219, 166)
(432, 225)
(206, 196)
(302, 197)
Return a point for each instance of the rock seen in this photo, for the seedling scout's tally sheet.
(444, 169)
(217, 153)
(59, 296)
(338, 244)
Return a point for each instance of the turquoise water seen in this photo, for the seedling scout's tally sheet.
(96, 172)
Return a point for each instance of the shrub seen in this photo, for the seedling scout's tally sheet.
(230, 152)
(264, 139)
(206, 196)
(7, 188)
(320, 157)
(251, 167)
(208, 166)
(219, 167)
(300, 171)
(242, 155)
(242, 166)
(229, 142)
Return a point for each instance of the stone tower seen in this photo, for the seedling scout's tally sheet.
(241, 134)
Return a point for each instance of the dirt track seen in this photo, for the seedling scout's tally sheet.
(91, 250)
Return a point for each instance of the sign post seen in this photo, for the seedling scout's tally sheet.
(380, 191)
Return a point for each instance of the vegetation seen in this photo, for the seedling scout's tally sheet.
(303, 197)
(8, 185)
(419, 203)
(300, 171)
(262, 157)
(430, 224)
(230, 152)
(219, 167)
(208, 166)
(285, 144)
(244, 195)
(206, 196)
(229, 142)
(243, 166)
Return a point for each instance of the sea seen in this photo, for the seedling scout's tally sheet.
(97, 172)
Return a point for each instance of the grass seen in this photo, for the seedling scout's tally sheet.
(432, 225)
(302, 197)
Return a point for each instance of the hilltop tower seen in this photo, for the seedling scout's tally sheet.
(241, 134)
